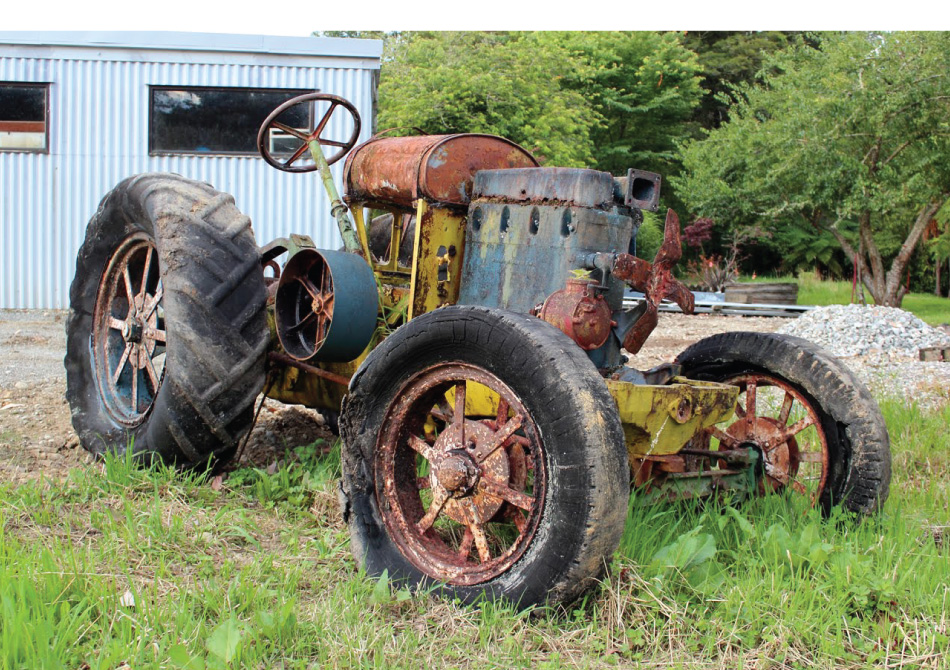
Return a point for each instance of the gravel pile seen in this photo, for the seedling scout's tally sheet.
(856, 330)
(881, 345)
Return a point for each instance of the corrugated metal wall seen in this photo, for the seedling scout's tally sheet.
(99, 136)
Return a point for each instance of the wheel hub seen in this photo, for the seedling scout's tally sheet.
(133, 330)
(457, 472)
(779, 453)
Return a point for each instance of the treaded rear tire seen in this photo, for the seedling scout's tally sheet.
(586, 494)
(859, 468)
(214, 314)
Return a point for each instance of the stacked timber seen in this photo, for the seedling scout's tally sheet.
(775, 293)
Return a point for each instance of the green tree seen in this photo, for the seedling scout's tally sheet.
(852, 135)
(728, 59)
(608, 100)
(507, 84)
(643, 87)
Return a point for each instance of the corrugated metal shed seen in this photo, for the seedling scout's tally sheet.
(98, 135)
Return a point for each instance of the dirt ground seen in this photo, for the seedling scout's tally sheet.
(37, 439)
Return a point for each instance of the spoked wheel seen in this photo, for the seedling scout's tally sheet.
(298, 159)
(129, 337)
(464, 495)
(815, 426)
(167, 329)
(483, 453)
(783, 426)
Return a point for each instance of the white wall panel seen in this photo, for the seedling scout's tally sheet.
(99, 136)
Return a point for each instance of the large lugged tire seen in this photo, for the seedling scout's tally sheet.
(167, 330)
(815, 424)
(523, 498)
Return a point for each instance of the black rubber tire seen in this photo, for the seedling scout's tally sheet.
(586, 496)
(214, 307)
(859, 467)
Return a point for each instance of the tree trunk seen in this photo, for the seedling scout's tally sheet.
(893, 290)
(937, 291)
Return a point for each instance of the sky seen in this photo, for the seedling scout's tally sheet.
(300, 19)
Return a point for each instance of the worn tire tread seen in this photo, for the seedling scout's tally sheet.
(861, 467)
(215, 317)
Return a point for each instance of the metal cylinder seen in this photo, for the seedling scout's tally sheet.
(326, 305)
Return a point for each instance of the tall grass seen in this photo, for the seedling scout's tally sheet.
(153, 569)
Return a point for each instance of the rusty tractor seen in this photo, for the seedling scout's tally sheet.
(469, 339)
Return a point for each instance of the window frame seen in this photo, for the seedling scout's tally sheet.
(294, 92)
(45, 86)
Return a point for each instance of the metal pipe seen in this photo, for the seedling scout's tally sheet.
(284, 359)
(351, 241)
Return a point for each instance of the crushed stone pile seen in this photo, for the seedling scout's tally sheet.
(881, 346)
(857, 330)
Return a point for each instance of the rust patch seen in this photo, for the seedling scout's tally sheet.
(440, 168)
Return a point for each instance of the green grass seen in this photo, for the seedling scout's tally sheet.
(155, 569)
(929, 308)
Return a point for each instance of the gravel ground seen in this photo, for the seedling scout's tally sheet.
(881, 345)
(36, 438)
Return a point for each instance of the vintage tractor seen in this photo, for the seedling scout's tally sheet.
(469, 337)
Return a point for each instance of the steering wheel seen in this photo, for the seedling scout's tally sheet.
(263, 145)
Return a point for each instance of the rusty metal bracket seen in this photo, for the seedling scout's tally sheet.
(656, 281)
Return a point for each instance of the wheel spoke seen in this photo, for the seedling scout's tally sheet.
(797, 427)
(786, 408)
(465, 547)
(724, 438)
(332, 143)
(518, 517)
(798, 487)
(321, 333)
(300, 135)
(122, 362)
(135, 388)
(303, 322)
(323, 122)
(158, 335)
(145, 270)
(310, 288)
(444, 412)
(501, 417)
(422, 447)
(811, 457)
(438, 502)
(129, 291)
(153, 303)
(483, 451)
(750, 390)
(516, 498)
(458, 416)
(116, 324)
(152, 375)
(296, 155)
(478, 531)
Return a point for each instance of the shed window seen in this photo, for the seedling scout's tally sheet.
(23, 117)
(216, 120)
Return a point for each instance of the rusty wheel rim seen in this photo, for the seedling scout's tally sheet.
(784, 427)
(461, 496)
(128, 339)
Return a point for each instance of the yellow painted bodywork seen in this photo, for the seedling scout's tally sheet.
(660, 420)
(439, 247)
(657, 420)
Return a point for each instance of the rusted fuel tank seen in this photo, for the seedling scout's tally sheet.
(440, 168)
